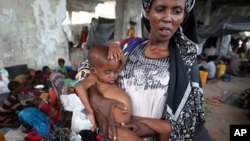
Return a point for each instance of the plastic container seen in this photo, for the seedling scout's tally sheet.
(203, 75)
(220, 70)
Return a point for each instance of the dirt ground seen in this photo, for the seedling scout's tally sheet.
(219, 118)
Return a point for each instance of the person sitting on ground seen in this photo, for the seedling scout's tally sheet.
(67, 71)
(210, 67)
(46, 70)
(102, 80)
(11, 105)
(234, 66)
(61, 67)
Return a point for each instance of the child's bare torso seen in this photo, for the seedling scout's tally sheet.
(112, 91)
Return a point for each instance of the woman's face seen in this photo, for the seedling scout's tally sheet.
(165, 17)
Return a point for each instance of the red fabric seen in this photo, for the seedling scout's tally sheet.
(45, 107)
(52, 97)
(32, 136)
(84, 36)
(98, 137)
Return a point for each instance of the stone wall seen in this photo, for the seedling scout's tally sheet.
(31, 32)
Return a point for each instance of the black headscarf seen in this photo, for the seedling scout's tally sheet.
(189, 4)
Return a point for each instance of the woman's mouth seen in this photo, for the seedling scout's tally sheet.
(165, 31)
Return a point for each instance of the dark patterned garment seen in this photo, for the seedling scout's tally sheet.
(173, 82)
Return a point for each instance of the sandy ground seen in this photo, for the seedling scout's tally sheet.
(219, 118)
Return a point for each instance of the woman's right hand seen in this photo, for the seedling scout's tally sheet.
(115, 51)
(103, 109)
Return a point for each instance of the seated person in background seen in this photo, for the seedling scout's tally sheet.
(46, 71)
(11, 105)
(234, 66)
(61, 67)
(209, 66)
(65, 70)
(102, 80)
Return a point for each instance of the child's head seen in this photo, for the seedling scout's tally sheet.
(105, 69)
(61, 62)
(15, 86)
(46, 69)
(32, 72)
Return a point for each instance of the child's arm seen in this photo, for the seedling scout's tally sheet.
(81, 91)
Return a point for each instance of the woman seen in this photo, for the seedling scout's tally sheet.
(161, 72)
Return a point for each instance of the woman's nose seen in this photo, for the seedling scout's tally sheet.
(167, 17)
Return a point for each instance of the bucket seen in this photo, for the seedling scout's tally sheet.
(203, 75)
(220, 70)
(2, 136)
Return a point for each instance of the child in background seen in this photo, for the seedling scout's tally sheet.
(67, 71)
(11, 105)
(62, 68)
(102, 80)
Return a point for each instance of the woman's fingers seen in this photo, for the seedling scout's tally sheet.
(115, 51)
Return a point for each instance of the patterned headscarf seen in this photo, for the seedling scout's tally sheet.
(189, 4)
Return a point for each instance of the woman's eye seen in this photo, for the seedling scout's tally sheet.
(160, 9)
(177, 11)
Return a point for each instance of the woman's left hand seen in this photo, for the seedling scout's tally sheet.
(115, 51)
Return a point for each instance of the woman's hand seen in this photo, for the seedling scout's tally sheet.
(115, 51)
(103, 110)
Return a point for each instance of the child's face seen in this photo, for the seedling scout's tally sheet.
(47, 70)
(108, 72)
(32, 73)
(61, 64)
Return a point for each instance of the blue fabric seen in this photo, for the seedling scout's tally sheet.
(129, 44)
(35, 119)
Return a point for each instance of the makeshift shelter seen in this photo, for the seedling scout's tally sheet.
(227, 25)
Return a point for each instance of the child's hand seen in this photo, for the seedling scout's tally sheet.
(115, 51)
(92, 120)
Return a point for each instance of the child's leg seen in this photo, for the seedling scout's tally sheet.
(161, 127)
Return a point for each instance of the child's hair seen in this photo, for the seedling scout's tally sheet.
(98, 55)
(13, 85)
(45, 67)
(61, 60)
